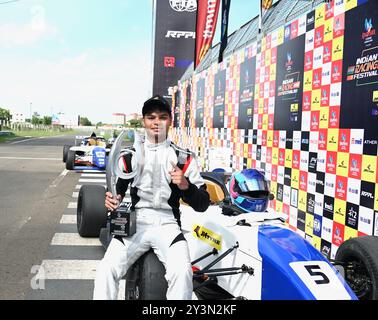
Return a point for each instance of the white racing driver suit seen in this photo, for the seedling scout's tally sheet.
(156, 201)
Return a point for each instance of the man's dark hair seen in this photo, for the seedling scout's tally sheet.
(157, 102)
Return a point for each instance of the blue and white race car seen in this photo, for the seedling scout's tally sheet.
(88, 153)
(251, 255)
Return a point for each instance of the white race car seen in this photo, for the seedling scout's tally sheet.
(247, 256)
(89, 152)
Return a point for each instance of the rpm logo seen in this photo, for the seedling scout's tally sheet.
(183, 5)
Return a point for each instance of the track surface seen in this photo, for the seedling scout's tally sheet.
(38, 223)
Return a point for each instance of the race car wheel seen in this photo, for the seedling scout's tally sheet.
(66, 148)
(145, 280)
(360, 258)
(70, 160)
(91, 211)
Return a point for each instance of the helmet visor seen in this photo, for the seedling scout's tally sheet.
(258, 194)
(254, 185)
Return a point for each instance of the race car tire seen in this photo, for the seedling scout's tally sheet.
(66, 148)
(91, 211)
(145, 280)
(70, 160)
(361, 254)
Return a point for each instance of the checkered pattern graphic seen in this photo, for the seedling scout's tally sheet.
(320, 175)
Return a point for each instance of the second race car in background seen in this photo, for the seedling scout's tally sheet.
(89, 152)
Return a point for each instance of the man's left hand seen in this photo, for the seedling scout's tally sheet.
(178, 177)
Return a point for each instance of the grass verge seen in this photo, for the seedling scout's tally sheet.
(33, 133)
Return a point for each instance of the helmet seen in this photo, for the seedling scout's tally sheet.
(249, 190)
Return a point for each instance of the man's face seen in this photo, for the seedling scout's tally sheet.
(157, 124)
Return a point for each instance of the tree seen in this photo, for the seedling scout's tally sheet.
(85, 122)
(135, 123)
(47, 120)
(36, 119)
(5, 117)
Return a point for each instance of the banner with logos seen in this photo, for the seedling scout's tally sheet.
(246, 93)
(207, 16)
(224, 28)
(200, 102)
(174, 40)
(289, 80)
(188, 99)
(176, 111)
(219, 98)
(359, 94)
(308, 119)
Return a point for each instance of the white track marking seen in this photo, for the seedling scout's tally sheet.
(68, 269)
(73, 239)
(78, 186)
(68, 219)
(93, 180)
(59, 178)
(55, 183)
(94, 175)
(73, 270)
(29, 158)
(25, 141)
(75, 194)
(17, 226)
(72, 205)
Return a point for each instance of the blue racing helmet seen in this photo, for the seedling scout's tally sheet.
(249, 190)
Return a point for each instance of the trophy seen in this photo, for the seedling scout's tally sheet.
(123, 219)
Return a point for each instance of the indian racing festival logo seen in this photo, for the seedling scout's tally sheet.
(366, 65)
(289, 61)
(343, 141)
(354, 164)
(338, 236)
(340, 187)
(333, 115)
(369, 31)
(183, 5)
(324, 96)
(326, 50)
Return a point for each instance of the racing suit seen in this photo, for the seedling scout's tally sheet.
(156, 201)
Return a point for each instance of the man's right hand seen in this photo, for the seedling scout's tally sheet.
(111, 203)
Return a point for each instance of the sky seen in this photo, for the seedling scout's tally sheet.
(87, 57)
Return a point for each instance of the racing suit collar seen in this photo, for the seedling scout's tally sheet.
(152, 145)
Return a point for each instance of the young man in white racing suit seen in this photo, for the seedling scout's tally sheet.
(166, 175)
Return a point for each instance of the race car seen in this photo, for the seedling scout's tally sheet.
(89, 152)
(247, 256)
(236, 253)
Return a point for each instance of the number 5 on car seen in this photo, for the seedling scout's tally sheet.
(321, 279)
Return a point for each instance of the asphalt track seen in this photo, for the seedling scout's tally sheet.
(35, 189)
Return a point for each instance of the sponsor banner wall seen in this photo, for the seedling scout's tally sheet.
(174, 40)
(304, 109)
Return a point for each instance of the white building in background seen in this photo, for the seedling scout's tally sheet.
(67, 120)
(18, 117)
(118, 119)
(133, 116)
